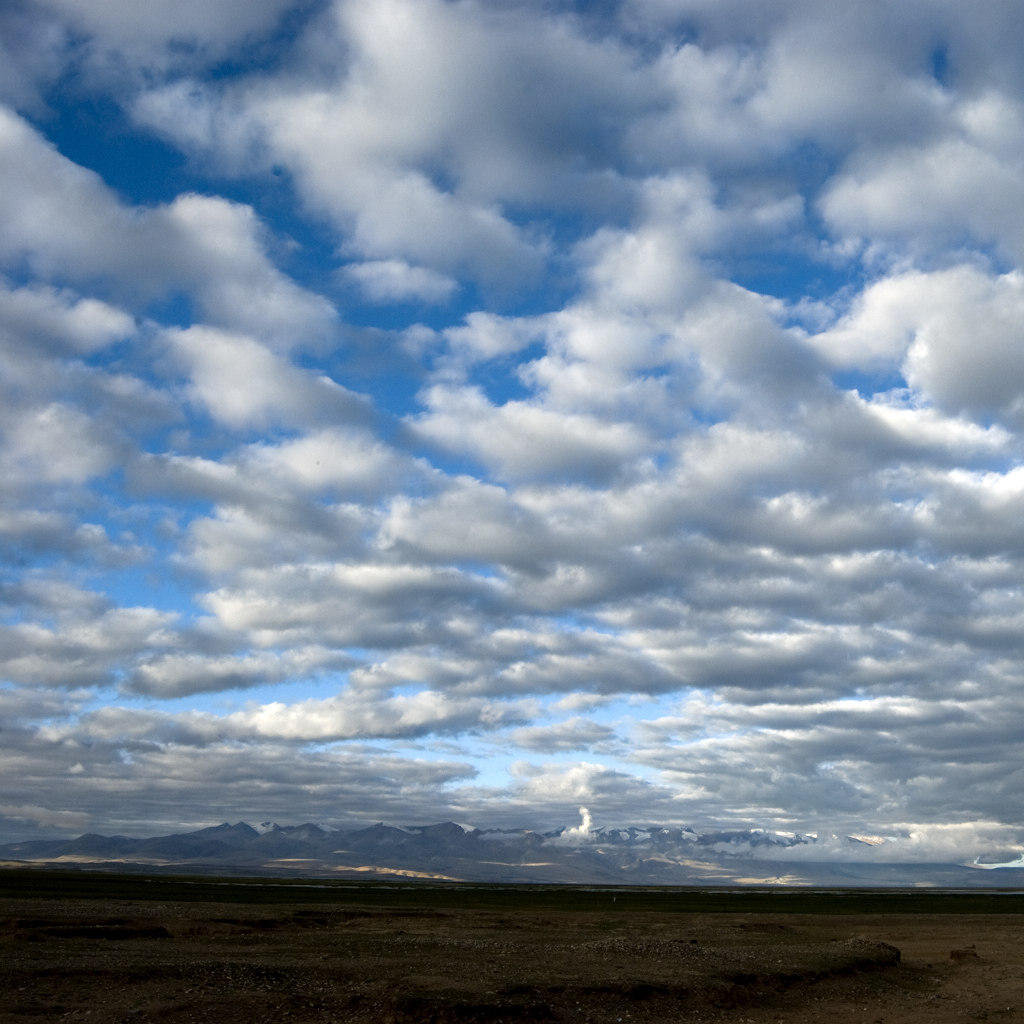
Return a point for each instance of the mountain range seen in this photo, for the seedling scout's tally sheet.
(648, 855)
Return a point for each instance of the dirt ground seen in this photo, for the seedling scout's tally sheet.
(136, 962)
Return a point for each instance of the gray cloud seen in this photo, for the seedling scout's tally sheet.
(574, 734)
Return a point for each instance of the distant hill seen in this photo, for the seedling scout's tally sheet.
(633, 855)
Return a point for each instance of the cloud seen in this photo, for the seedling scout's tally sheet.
(470, 520)
(397, 281)
(488, 410)
(365, 605)
(951, 333)
(56, 444)
(907, 843)
(214, 782)
(150, 34)
(402, 715)
(423, 86)
(221, 251)
(60, 323)
(183, 674)
(244, 384)
(32, 55)
(908, 198)
(44, 816)
(574, 734)
(67, 225)
(522, 440)
(90, 646)
(559, 788)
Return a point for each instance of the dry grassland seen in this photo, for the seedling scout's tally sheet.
(372, 958)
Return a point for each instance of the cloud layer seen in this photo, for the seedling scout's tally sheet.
(483, 410)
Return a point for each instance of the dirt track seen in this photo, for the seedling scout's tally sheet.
(140, 962)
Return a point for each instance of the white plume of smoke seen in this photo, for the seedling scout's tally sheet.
(582, 833)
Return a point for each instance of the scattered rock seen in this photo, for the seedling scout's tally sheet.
(967, 953)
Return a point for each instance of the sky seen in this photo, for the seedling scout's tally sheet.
(416, 410)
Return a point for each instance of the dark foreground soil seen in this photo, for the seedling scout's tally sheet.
(141, 961)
